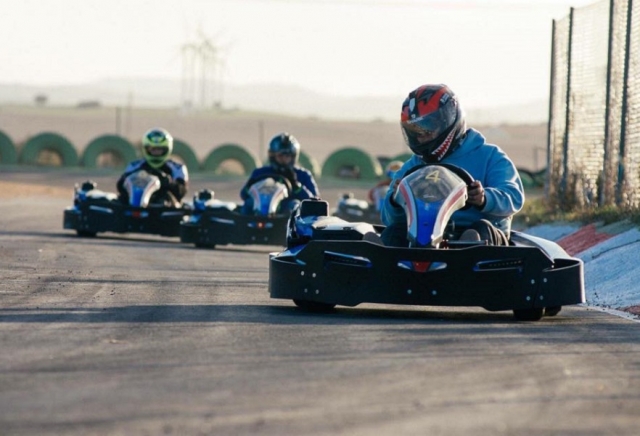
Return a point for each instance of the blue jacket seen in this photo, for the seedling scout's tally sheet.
(485, 162)
(308, 187)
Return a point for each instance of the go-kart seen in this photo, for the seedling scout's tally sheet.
(353, 209)
(215, 222)
(147, 211)
(329, 261)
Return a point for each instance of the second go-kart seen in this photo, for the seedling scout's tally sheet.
(329, 261)
(147, 211)
(215, 222)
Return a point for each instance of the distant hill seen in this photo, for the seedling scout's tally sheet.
(278, 98)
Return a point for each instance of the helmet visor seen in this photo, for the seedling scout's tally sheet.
(156, 151)
(430, 126)
(284, 158)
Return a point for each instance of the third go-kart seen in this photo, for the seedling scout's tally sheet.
(216, 222)
(148, 210)
(329, 261)
(353, 209)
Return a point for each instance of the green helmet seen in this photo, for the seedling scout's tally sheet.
(157, 146)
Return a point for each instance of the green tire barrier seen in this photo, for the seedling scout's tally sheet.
(530, 179)
(540, 177)
(182, 149)
(8, 153)
(368, 166)
(310, 163)
(51, 142)
(235, 152)
(108, 143)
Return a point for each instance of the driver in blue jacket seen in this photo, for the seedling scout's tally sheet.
(157, 146)
(284, 150)
(434, 128)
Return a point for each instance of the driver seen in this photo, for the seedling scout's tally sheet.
(157, 146)
(389, 170)
(434, 128)
(284, 150)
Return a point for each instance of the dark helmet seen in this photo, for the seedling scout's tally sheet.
(432, 122)
(284, 143)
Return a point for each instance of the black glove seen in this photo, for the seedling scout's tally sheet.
(290, 174)
(165, 181)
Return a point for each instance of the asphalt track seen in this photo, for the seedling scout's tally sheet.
(143, 335)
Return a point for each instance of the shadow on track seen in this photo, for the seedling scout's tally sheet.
(263, 314)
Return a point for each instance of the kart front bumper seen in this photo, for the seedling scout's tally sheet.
(210, 229)
(493, 277)
(111, 217)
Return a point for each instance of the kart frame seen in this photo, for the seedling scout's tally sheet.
(332, 262)
(223, 226)
(90, 217)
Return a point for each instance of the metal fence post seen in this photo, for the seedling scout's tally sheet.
(623, 123)
(565, 141)
(604, 196)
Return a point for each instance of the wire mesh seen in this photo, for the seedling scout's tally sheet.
(594, 125)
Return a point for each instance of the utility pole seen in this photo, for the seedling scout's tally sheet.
(200, 63)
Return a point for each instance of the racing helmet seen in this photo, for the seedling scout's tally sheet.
(391, 168)
(157, 145)
(432, 122)
(283, 144)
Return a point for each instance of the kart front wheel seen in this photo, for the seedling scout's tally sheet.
(204, 245)
(528, 314)
(552, 311)
(314, 306)
(86, 234)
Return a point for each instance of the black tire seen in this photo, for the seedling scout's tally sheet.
(552, 311)
(528, 314)
(86, 234)
(314, 306)
(205, 245)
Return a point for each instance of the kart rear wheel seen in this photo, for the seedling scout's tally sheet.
(314, 306)
(528, 314)
(86, 234)
(552, 311)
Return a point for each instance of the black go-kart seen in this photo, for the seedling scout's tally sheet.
(329, 261)
(147, 211)
(215, 222)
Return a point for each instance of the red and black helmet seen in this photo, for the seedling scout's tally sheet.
(432, 121)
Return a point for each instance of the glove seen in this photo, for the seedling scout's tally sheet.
(291, 176)
(165, 181)
(392, 198)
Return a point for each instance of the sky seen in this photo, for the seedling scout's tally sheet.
(490, 52)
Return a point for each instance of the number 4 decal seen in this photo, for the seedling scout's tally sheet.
(433, 175)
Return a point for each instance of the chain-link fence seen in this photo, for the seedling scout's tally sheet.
(594, 108)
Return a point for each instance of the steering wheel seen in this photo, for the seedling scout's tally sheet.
(458, 171)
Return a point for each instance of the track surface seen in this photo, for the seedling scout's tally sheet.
(126, 334)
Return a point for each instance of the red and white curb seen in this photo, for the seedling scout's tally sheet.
(611, 254)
